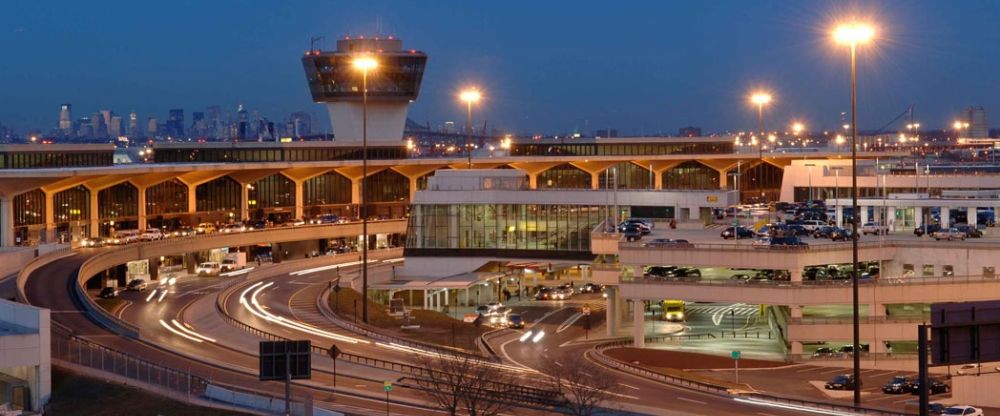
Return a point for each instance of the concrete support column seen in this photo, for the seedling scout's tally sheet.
(945, 217)
(877, 310)
(192, 199)
(611, 313)
(795, 311)
(426, 298)
(413, 186)
(245, 202)
(7, 222)
(890, 219)
(863, 217)
(839, 213)
(532, 181)
(356, 192)
(795, 275)
(638, 324)
(50, 217)
(141, 192)
(971, 217)
(723, 179)
(95, 221)
(918, 217)
(595, 180)
(453, 232)
(694, 213)
(299, 199)
(796, 348)
(154, 268)
(657, 180)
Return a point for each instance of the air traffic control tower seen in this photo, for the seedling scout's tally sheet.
(392, 86)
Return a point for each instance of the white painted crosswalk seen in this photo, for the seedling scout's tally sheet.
(742, 310)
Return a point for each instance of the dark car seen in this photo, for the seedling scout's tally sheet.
(515, 321)
(841, 382)
(108, 293)
(686, 272)
(591, 288)
(137, 285)
(898, 385)
(840, 234)
(822, 352)
(780, 242)
(969, 230)
(737, 232)
(796, 230)
(632, 232)
(823, 232)
(926, 229)
(543, 294)
(661, 271)
(936, 386)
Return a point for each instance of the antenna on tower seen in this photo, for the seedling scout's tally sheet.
(312, 42)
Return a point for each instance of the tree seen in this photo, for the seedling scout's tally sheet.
(462, 383)
(582, 387)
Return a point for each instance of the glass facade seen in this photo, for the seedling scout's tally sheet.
(630, 176)
(28, 160)
(220, 195)
(168, 197)
(330, 188)
(196, 154)
(275, 191)
(691, 175)
(564, 176)
(118, 201)
(761, 181)
(29, 208)
(619, 149)
(504, 227)
(72, 205)
(333, 78)
(387, 186)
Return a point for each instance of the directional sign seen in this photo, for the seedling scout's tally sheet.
(586, 310)
(278, 358)
(334, 352)
(387, 386)
(736, 355)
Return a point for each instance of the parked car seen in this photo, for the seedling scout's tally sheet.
(898, 385)
(962, 410)
(208, 268)
(969, 230)
(812, 225)
(643, 227)
(660, 271)
(841, 382)
(591, 288)
(874, 228)
(686, 272)
(183, 232)
(151, 234)
(840, 234)
(668, 242)
(926, 229)
(233, 228)
(948, 234)
(205, 228)
(632, 232)
(935, 386)
(325, 219)
(544, 293)
(780, 242)
(736, 232)
(137, 285)
(822, 352)
(644, 221)
(108, 293)
(823, 232)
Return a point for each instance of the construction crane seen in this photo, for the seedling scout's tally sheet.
(908, 113)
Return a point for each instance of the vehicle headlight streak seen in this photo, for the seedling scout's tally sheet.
(152, 294)
(418, 351)
(257, 310)
(789, 406)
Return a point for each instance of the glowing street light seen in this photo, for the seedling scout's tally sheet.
(853, 34)
(365, 64)
(470, 96)
(797, 128)
(760, 99)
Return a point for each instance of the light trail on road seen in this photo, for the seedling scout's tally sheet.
(257, 310)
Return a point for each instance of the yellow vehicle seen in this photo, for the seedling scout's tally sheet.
(673, 310)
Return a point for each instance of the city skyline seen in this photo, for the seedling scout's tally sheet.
(569, 85)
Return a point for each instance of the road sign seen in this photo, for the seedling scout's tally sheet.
(387, 386)
(586, 310)
(736, 355)
(334, 351)
(278, 358)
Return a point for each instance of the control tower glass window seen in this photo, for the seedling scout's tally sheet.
(332, 78)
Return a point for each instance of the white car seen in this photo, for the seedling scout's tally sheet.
(208, 268)
(962, 410)
(233, 228)
(151, 234)
(812, 225)
(949, 234)
(874, 228)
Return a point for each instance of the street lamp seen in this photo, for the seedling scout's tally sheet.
(364, 64)
(470, 96)
(853, 34)
(760, 99)
(797, 128)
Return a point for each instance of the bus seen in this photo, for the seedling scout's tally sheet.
(673, 310)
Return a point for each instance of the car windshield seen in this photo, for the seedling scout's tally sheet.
(953, 411)
(898, 379)
(515, 318)
(840, 379)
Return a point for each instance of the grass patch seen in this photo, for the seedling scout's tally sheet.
(111, 305)
(75, 394)
(435, 327)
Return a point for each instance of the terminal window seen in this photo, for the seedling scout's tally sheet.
(989, 272)
(928, 270)
(948, 270)
(908, 270)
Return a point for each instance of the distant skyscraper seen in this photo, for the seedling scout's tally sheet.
(106, 116)
(152, 127)
(978, 126)
(133, 125)
(66, 120)
(175, 123)
(213, 121)
(98, 127)
(301, 124)
(85, 126)
(115, 129)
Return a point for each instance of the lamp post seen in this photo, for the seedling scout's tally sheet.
(760, 99)
(470, 96)
(364, 64)
(852, 34)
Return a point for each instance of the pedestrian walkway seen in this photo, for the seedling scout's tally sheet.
(742, 310)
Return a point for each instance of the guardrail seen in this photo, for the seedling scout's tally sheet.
(863, 320)
(826, 283)
(32, 266)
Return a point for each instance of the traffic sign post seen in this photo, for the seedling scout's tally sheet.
(736, 362)
(334, 353)
(285, 360)
(387, 386)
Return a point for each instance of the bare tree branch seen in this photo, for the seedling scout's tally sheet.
(464, 384)
(582, 386)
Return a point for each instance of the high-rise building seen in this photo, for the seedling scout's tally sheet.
(978, 126)
(152, 127)
(98, 126)
(66, 120)
(213, 121)
(391, 88)
(175, 123)
(133, 125)
(300, 124)
(115, 129)
(85, 127)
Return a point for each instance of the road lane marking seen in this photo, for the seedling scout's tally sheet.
(835, 370)
(804, 370)
(628, 386)
(569, 322)
(691, 400)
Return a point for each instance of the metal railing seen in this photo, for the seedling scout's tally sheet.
(817, 284)
(864, 320)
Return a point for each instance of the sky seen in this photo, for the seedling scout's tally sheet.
(549, 67)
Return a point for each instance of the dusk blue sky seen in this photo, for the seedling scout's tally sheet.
(546, 67)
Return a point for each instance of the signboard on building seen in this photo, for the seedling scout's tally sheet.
(965, 332)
